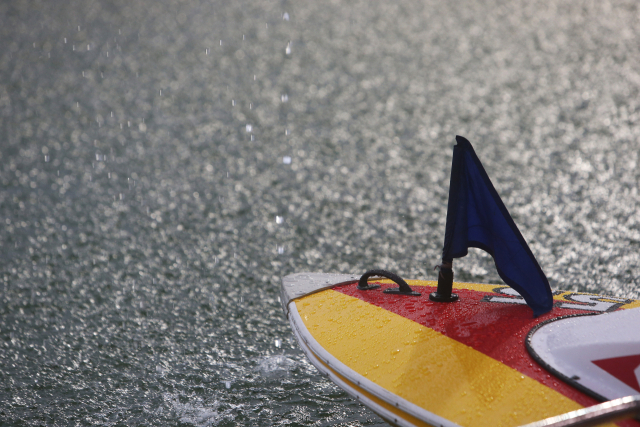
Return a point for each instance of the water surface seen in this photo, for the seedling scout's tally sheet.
(164, 164)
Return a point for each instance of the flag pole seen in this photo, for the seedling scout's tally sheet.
(445, 284)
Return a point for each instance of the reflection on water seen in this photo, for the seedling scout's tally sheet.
(146, 149)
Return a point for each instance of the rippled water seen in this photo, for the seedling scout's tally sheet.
(164, 164)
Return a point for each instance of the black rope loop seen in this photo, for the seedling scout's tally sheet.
(404, 288)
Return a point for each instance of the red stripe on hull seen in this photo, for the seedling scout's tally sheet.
(497, 330)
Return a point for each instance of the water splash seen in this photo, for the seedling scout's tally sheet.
(198, 413)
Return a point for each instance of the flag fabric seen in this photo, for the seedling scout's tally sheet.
(477, 217)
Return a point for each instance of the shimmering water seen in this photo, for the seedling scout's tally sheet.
(163, 164)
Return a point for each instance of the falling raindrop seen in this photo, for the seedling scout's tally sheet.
(278, 343)
(249, 128)
(280, 250)
(233, 102)
(286, 160)
(287, 50)
(227, 384)
(46, 157)
(284, 97)
(279, 219)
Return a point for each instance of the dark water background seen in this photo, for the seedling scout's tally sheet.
(164, 164)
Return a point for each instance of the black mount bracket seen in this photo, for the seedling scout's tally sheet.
(404, 288)
(445, 285)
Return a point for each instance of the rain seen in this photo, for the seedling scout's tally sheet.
(164, 164)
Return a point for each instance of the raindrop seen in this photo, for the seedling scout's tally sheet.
(220, 42)
(280, 250)
(65, 40)
(227, 384)
(243, 37)
(286, 160)
(284, 97)
(286, 131)
(88, 47)
(278, 343)
(46, 158)
(250, 106)
(252, 138)
(206, 51)
(233, 102)
(160, 92)
(279, 219)
(287, 50)
(285, 16)
(74, 47)
(249, 128)
(254, 77)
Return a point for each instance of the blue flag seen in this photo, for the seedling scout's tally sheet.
(477, 218)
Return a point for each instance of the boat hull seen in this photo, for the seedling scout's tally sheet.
(416, 362)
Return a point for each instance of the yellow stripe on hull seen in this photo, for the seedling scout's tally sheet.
(424, 367)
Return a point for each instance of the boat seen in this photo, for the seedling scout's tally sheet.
(445, 353)
(483, 360)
